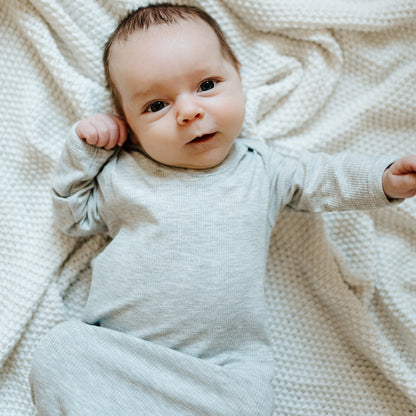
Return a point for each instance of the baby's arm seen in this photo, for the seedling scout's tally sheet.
(399, 179)
(319, 182)
(80, 185)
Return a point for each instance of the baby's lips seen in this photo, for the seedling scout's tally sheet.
(203, 137)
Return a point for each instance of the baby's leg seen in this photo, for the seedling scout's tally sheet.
(80, 369)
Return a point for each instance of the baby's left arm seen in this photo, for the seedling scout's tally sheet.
(399, 179)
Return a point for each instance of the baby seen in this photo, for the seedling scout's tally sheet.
(176, 319)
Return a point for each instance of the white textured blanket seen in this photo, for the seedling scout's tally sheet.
(324, 75)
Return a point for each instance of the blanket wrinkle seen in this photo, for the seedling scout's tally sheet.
(369, 15)
(360, 325)
(319, 76)
(311, 54)
(323, 273)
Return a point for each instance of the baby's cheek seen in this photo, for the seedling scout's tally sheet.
(236, 113)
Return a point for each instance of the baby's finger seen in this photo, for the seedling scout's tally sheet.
(102, 136)
(87, 131)
(113, 133)
(404, 165)
(409, 185)
(90, 134)
(123, 131)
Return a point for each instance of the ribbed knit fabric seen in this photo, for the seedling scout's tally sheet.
(341, 287)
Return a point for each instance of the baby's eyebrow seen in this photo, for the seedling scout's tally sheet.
(146, 91)
(142, 93)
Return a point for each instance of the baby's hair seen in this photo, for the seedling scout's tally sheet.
(159, 14)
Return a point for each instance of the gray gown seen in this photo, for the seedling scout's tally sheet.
(176, 319)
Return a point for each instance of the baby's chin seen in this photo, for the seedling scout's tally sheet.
(205, 152)
(204, 163)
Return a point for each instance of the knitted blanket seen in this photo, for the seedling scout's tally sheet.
(319, 75)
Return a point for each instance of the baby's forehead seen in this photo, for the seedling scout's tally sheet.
(196, 26)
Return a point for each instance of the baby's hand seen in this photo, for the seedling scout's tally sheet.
(103, 130)
(399, 180)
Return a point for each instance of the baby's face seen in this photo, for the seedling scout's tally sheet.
(182, 99)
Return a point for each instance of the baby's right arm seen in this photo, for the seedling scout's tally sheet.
(80, 186)
(103, 130)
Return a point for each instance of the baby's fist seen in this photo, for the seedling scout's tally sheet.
(102, 130)
(399, 180)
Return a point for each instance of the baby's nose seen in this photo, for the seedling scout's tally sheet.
(189, 110)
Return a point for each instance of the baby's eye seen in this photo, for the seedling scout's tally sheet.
(156, 106)
(207, 85)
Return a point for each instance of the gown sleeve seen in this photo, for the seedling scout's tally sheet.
(319, 182)
(77, 196)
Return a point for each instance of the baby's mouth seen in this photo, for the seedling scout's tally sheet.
(203, 138)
